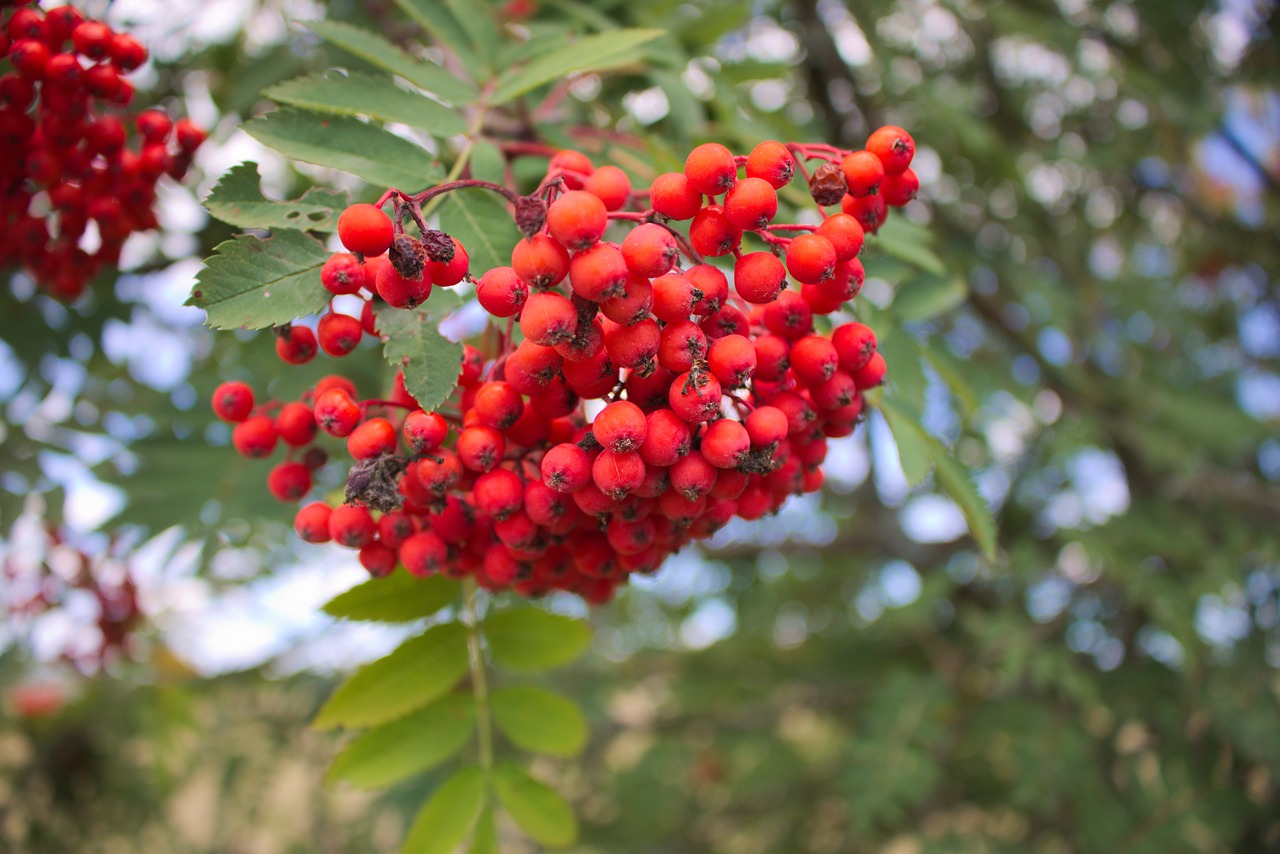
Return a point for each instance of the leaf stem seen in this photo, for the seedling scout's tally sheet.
(479, 685)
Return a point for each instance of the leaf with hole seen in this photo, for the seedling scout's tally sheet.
(535, 807)
(417, 672)
(350, 145)
(532, 639)
(255, 282)
(378, 98)
(237, 200)
(398, 598)
(406, 746)
(539, 721)
(448, 815)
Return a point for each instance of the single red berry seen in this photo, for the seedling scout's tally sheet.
(30, 57)
(674, 196)
(189, 136)
(365, 229)
(566, 468)
(289, 481)
(899, 189)
(667, 438)
(771, 161)
(398, 291)
(296, 423)
(440, 471)
(811, 258)
(894, 146)
(480, 448)
(498, 493)
(424, 431)
(751, 203)
(845, 234)
(650, 250)
(342, 274)
(634, 346)
(711, 232)
(713, 284)
(498, 405)
(725, 444)
(532, 366)
(255, 437)
(598, 273)
(813, 359)
(548, 318)
(871, 374)
(373, 438)
(127, 53)
(574, 162)
(759, 277)
(620, 426)
(711, 169)
(378, 559)
(695, 396)
(501, 292)
(577, 219)
(154, 125)
(312, 522)
(766, 426)
(617, 474)
(541, 261)
(296, 345)
(352, 525)
(674, 297)
(446, 274)
(336, 413)
(835, 392)
(863, 172)
(339, 334)
(633, 304)
(611, 185)
(681, 346)
(732, 360)
(233, 401)
(869, 211)
(692, 476)
(424, 554)
(854, 344)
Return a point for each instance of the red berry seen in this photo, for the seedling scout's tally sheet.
(674, 297)
(674, 196)
(633, 304)
(446, 274)
(751, 203)
(611, 185)
(541, 261)
(811, 258)
(378, 559)
(845, 234)
(771, 161)
(766, 426)
(501, 292)
(667, 438)
(711, 169)
(424, 554)
(342, 274)
(336, 413)
(725, 444)
(682, 345)
(695, 396)
(813, 359)
(617, 474)
(568, 160)
(711, 232)
(424, 431)
(900, 189)
(634, 346)
(714, 287)
(312, 522)
(373, 438)
(126, 52)
(296, 423)
(255, 437)
(577, 219)
(894, 146)
(650, 250)
(854, 344)
(233, 401)
(289, 481)
(548, 319)
(566, 468)
(759, 277)
(869, 211)
(732, 360)
(598, 273)
(296, 345)
(871, 374)
(498, 405)
(863, 173)
(498, 493)
(620, 426)
(398, 291)
(692, 476)
(339, 334)
(365, 229)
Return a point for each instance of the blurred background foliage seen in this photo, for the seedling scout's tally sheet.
(1101, 347)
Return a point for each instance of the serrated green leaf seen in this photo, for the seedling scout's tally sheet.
(926, 297)
(480, 221)
(417, 672)
(539, 721)
(535, 807)
(377, 51)
(406, 746)
(412, 342)
(378, 98)
(904, 372)
(448, 815)
(237, 200)
(359, 148)
(908, 242)
(444, 28)
(532, 639)
(591, 53)
(955, 481)
(913, 443)
(253, 283)
(398, 598)
(476, 20)
(484, 840)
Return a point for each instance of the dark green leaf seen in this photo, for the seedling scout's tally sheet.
(398, 598)
(255, 283)
(408, 745)
(485, 838)
(364, 95)
(592, 53)
(359, 148)
(447, 32)
(926, 297)
(482, 222)
(532, 639)
(379, 52)
(237, 200)
(413, 343)
(912, 441)
(955, 481)
(448, 815)
(418, 671)
(539, 721)
(908, 242)
(536, 808)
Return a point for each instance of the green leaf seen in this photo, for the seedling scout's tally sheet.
(905, 373)
(377, 51)
(398, 598)
(955, 481)
(532, 639)
(359, 148)
(448, 815)
(413, 343)
(480, 221)
(913, 442)
(445, 29)
(475, 18)
(406, 746)
(926, 297)
(365, 95)
(909, 242)
(536, 808)
(237, 200)
(418, 671)
(252, 283)
(485, 838)
(539, 721)
(592, 53)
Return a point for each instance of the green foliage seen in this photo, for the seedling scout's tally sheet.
(417, 672)
(529, 639)
(398, 598)
(447, 818)
(590, 53)
(539, 721)
(376, 50)
(406, 746)
(378, 98)
(237, 200)
(255, 283)
(535, 807)
(413, 344)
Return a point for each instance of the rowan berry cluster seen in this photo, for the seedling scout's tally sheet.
(640, 397)
(74, 187)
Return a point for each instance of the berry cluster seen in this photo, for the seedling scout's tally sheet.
(74, 189)
(713, 391)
